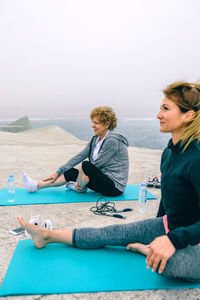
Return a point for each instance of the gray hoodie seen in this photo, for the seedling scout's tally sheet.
(112, 158)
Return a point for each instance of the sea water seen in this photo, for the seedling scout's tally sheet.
(143, 133)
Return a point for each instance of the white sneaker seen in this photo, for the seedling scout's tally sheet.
(70, 185)
(47, 224)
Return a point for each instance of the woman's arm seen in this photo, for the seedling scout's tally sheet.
(189, 235)
(163, 247)
(183, 236)
(160, 250)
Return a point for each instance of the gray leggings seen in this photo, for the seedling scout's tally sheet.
(184, 264)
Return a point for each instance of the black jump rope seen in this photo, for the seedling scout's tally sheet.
(107, 208)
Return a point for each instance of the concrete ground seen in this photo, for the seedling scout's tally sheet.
(40, 152)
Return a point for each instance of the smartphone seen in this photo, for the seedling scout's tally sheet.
(17, 231)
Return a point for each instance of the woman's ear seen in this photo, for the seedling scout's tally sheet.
(189, 115)
(107, 125)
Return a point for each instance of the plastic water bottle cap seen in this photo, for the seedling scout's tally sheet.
(11, 176)
(143, 184)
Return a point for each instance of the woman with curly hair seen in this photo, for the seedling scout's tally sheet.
(103, 163)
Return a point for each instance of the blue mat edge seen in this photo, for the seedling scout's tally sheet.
(181, 284)
(150, 196)
(95, 291)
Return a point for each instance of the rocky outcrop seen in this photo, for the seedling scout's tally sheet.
(21, 124)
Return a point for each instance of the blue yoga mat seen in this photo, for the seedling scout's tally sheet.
(63, 195)
(60, 269)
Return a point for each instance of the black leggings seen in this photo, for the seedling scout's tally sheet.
(98, 181)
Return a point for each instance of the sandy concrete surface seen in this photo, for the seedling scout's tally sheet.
(40, 152)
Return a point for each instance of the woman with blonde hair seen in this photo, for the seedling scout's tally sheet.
(103, 163)
(170, 241)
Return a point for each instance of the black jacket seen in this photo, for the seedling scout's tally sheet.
(180, 190)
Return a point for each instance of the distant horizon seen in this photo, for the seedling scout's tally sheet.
(122, 118)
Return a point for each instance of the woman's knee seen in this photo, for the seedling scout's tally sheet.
(84, 167)
(184, 264)
(71, 174)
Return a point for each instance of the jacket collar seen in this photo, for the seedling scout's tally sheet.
(175, 148)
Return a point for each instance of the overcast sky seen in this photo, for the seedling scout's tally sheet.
(60, 58)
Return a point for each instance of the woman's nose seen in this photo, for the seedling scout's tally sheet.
(159, 115)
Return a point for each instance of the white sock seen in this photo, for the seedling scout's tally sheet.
(70, 185)
(30, 184)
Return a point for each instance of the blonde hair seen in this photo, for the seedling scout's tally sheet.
(105, 114)
(187, 97)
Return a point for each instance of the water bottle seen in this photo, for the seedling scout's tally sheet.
(11, 188)
(142, 197)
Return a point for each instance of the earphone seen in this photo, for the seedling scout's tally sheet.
(107, 208)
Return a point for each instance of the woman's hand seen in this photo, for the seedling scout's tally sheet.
(160, 250)
(52, 177)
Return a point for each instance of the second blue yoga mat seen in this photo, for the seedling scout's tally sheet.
(60, 269)
(63, 195)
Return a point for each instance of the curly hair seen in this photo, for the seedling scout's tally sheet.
(187, 97)
(105, 114)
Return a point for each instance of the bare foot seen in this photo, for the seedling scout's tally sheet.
(38, 234)
(138, 247)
